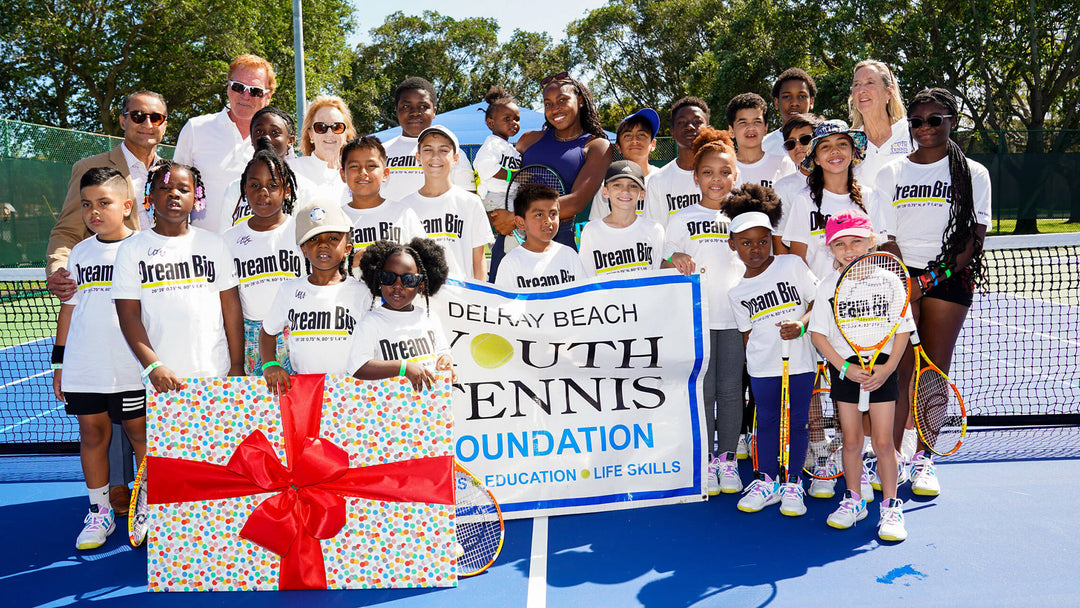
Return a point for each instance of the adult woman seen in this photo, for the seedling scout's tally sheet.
(327, 126)
(877, 109)
(939, 212)
(574, 145)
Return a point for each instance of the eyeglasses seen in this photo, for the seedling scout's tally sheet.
(548, 80)
(411, 280)
(322, 127)
(934, 120)
(802, 141)
(137, 117)
(241, 88)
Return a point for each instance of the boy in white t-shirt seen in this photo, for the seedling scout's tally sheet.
(95, 373)
(451, 216)
(623, 241)
(746, 121)
(540, 261)
(635, 139)
(672, 187)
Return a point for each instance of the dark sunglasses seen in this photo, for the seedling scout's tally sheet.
(322, 127)
(548, 80)
(137, 117)
(411, 280)
(802, 141)
(241, 88)
(934, 120)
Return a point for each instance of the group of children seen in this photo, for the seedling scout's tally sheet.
(280, 292)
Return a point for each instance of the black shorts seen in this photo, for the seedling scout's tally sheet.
(847, 391)
(127, 405)
(957, 289)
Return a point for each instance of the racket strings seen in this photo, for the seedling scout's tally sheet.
(871, 298)
(478, 527)
(939, 412)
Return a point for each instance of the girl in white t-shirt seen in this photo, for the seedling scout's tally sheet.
(263, 247)
(400, 338)
(497, 158)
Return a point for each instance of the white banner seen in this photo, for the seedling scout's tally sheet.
(580, 399)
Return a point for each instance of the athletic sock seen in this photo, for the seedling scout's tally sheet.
(100, 497)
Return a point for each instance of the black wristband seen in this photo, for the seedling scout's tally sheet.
(57, 353)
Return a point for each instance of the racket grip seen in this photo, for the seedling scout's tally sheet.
(785, 348)
(864, 400)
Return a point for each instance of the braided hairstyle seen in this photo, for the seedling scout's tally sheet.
(265, 153)
(588, 115)
(962, 222)
(496, 96)
(429, 256)
(345, 264)
(753, 197)
(159, 174)
(816, 181)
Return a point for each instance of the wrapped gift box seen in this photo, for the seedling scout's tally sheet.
(341, 484)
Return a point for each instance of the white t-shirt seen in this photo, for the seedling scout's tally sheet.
(234, 211)
(213, 145)
(781, 293)
(773, 143)
(325, 183)
(262, 261)
(606, 250)
(765, 171)
(389, 335)
(787, 188)
(319, 322)
(495, 154)
(703, 234)
(455, 220)
(601, 207)
(807, 223)
(917, 200)
(406, 176)
(97, 359)
(390, 221)
(524, 269)
(898, 144)
(668, 190)
(178, 281)
(823, 320)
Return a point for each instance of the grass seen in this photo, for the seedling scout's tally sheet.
(1045, 226)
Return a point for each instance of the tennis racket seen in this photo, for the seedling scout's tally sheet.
(138, 510)
(531, 174)
(785, 412)
(871, 300)
(940, 415)
(478, 521)
(823, 456)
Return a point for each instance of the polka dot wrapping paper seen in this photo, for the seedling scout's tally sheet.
(196, 545)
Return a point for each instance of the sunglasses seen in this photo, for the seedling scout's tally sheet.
(322, 127)
(548, 80)
(241, 88)
(137, 117)
(934, 120)
(802, 141)
(410, 280)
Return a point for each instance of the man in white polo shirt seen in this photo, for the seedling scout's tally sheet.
(217, 144)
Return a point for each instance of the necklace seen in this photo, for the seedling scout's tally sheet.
(571, 138)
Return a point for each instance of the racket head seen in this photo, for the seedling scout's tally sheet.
(938, 409)
(871, 299)
(532, 174)
(478, 523)
(138, 509)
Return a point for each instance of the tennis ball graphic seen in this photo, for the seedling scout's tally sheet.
(490, 350)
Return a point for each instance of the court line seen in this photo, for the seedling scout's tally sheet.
(1026, 330)
(27, 420)
(21, 380)
(25, 343)
(537, 595)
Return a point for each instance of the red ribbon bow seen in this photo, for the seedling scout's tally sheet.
(309, 504)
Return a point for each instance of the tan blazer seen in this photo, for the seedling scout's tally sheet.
(70, 228)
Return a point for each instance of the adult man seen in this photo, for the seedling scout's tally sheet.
(218, 144)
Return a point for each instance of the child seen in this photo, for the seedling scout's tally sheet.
(796, 135)
(623, 241)
(793, 93)
(101, 383)
(849, 234)
(635, 139)
(697, 241)
(317, 312)
(451, 216)
(415, 103)
(498, 158)
(373, 218)
(399, 338)
(775, 292)
(263, 248)
(540, 261)
(175, 288)
(673, 187)
(746, 121)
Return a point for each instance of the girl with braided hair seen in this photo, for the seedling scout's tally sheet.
(939, 213)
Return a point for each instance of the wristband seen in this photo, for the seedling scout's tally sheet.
(57, 354)
(56, 366)
(669, 259)
(150, 368)
(802, 328)
(269, 364)
(509, 176)
(843, 370)
(401, 372)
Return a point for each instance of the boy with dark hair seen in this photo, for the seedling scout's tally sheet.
(374, 218)
(540, 261)
(635, 139)
(415, 104)
(672, 187)
(793, 93)
(746, 121)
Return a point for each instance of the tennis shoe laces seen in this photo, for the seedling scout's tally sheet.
(98, 526)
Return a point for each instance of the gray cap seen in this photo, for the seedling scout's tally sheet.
(441, 130)
(625, 168)
(318, 217)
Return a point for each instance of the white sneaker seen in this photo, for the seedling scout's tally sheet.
(742, 452)
(903, 473)
(833, 467)
(99, 525)
(791, 502)
(909, 443)
(869, 471)
(822, 488)
(730, 482)
(866, 489)
(891, 523)
(849, 512)
(924, 481)
(759, 494)
(712, 476)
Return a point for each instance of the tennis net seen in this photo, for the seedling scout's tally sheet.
(1016, 362)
